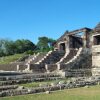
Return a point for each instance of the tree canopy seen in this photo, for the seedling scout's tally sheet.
(45, 43)
(9, 47)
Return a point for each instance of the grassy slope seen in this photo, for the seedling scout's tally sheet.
(8, 59)
(92, 93)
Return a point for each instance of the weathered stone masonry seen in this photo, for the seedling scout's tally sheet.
(96, 51)
(76, 53)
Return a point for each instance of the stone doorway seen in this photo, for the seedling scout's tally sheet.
(62, 47)
(96, 40)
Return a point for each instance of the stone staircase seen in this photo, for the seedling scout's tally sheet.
(62, 59)
(75, 54)
(52, 57)
(38, 58)
(70, 58)
(32, 59)
(48, 62)
(69, 55)
(33, 63)
(44, 57)
(21, 59)
(51, 61)
(82, 60)
(58, 61)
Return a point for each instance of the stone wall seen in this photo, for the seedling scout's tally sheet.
(37, 68)
(96, 55)
(96, 60)
(78, 72)
(8, 67)
(51, 67)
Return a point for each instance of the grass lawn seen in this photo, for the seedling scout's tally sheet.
(8, 59)
(91, 93)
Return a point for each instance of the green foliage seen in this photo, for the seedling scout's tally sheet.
(24, 45)
(8, 47)
(45, 44)
(30, 52)
(51, 42)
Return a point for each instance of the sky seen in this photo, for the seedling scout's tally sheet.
(30, 19)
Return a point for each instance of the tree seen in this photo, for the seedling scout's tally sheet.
(1, 48)
(42, 43)
(9, 47)
(51, 42)
(45, 43)
(24, 45)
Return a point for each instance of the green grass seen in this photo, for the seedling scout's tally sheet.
(8, 59)
(92, 93)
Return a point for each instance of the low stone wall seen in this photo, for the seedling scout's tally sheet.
(23, 81)
(30, 91)
(51, 67)
(78, 73)
(17, 76)
(27, 78)
(37, 68)
(8, 87)
(22, 67)
(8, 67)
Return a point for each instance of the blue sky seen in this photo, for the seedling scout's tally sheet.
(30, 19)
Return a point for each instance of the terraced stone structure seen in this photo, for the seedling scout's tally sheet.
(72, 56)
(76, 54)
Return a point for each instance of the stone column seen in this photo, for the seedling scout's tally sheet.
(86, 39)
(28, 67)
(17, 67)
(46, 67)
(58, 66)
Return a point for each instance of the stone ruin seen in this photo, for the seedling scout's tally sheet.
(76, 54)
(96, 51)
